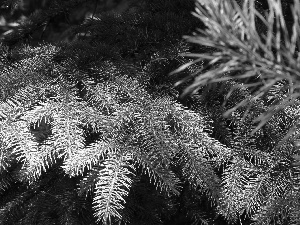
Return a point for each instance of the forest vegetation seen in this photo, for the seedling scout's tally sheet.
(171, 112)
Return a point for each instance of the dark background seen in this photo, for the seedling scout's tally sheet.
(56, 28)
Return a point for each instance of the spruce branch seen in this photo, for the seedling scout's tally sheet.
(112, 187)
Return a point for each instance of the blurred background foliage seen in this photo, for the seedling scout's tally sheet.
(57, 20)
(56, 28)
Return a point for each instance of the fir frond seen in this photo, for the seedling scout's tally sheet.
(112, 187)
(102, 110)
(200, 173)
(236, 177)
(162, 177)
(86, 158)
(19, 136)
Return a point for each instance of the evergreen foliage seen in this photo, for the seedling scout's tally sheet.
(93, 131)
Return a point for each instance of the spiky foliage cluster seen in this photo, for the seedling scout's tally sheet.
(253, 48)
(245, 49)
(93, 131)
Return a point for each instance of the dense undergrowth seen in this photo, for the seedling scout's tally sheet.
(94, 130)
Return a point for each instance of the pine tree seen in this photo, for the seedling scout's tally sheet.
(257, 52)
(93, 131)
